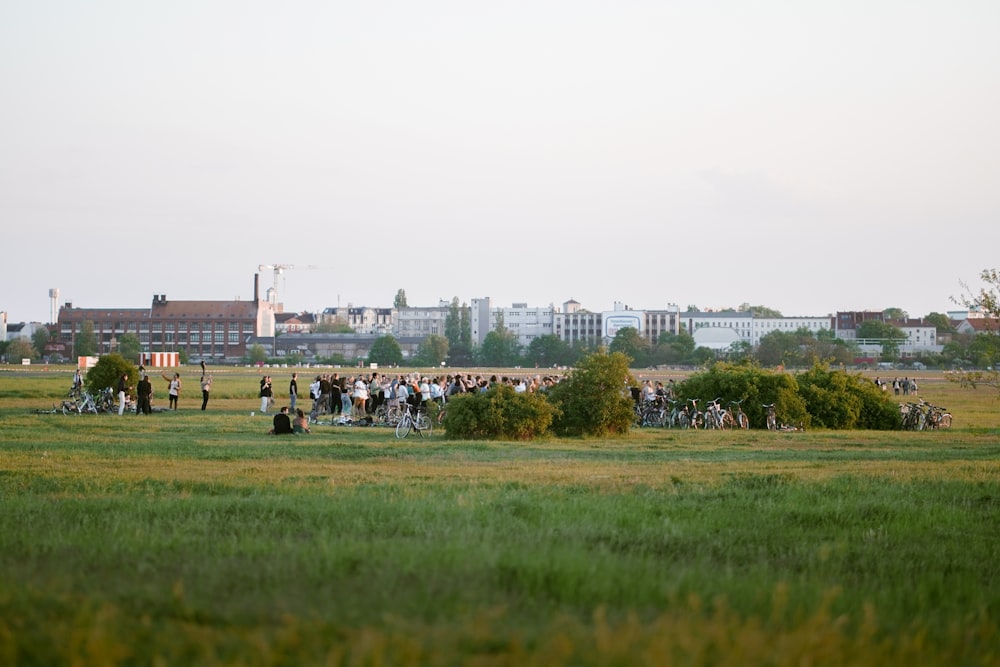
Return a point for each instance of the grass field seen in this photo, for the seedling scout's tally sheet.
(193, 537)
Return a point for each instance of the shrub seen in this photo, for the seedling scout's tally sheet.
(498, 414)
(838, 400)
(108, 370)
(592, 399)
(751, 385)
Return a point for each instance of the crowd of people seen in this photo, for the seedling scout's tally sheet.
(357, 397)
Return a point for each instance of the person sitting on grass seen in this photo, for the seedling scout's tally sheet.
(282, 424)
(300, 424)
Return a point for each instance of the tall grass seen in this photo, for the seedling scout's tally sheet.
(194, 537)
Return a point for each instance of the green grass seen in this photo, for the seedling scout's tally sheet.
(195, 538)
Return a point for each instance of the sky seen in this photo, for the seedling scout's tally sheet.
(810, 157)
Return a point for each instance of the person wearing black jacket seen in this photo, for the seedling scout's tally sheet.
(144, 391)
(282, 423)
(265, 394)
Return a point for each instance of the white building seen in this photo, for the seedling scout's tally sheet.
(762, 326)
(524, 321)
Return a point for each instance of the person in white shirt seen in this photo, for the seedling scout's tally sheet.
(360, 398)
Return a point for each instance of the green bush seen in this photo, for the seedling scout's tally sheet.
(498, 414)
(108, 370)
(593, 400)
(751, 385)
(838, 400)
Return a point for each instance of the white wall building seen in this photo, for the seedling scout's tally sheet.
(762, 326)
(524, 321)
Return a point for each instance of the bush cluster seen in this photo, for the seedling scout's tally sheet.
(500, 413)
(593, 401)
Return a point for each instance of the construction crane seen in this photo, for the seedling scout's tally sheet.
(272, 294)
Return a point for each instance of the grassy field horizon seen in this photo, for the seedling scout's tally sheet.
(193, 537)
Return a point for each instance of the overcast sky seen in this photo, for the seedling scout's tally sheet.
(806, 156)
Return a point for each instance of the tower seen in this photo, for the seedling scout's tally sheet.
(53, 305)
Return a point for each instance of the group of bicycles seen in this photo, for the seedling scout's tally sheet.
(922, 416)
(671, 413)
(403, 418)
(80, 402)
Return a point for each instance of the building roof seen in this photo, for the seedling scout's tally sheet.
(982, 324)
(295, 318)
(204, 309)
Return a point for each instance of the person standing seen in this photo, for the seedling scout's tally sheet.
(144, 391)
(122, 393)
(173, 388)
(293, 390)
(206, 387)
(265, 394)
(360, 398)
(336, 401)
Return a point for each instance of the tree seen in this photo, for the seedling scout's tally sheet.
(777, 348)
(940, 321)
(338, 325)
(385, 351)
(257, 354)
(86, 340)
(739, 350)
(433, 350)
(458, 330)
(895, 314)
(20, 348)
(676, 348)
(129, 346)
(39, 340)
(591, 400)
(628, 341)
(548, 350)
(400, 300)
(888, 336)
(500, 348)
(107, 371)
(759, 311)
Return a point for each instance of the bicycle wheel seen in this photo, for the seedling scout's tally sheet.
(742, 420)
(424, 425)
(403, 427)
(945, 421)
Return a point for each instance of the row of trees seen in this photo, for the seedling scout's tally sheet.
(127, 345)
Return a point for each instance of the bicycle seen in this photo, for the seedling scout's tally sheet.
(420, 423)
(738, 417)
(772, 417)
(692, 418)
(715, 416)
(653, 414)
(387, 415)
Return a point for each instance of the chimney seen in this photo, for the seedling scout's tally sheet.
(256, 287)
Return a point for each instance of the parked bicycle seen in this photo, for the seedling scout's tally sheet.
(737, 417)
(419, 422)
(83, 404)
(921, 415)
(693, 417)
(715, 415)
(771, 416)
